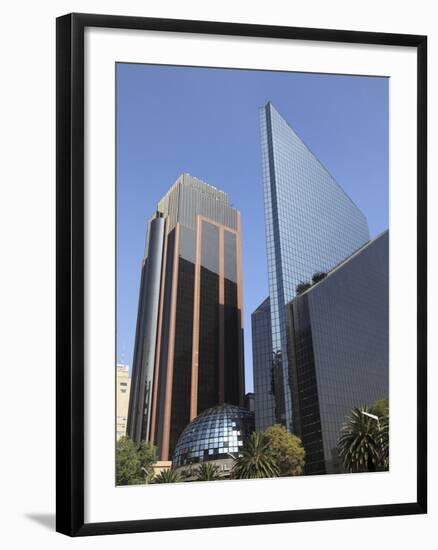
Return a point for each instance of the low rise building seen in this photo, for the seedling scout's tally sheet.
(122, 396)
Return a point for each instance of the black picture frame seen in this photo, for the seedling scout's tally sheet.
(70, 273)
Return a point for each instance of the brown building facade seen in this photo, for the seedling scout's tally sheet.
(188, 353)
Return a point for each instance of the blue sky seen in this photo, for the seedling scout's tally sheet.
(206, 122)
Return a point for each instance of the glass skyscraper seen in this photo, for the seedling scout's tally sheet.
(311, 226)
(188, 353)
(338, 350)
(264, 378)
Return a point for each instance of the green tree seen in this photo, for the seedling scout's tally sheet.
(287, 450)
(127, 463)
(168, 476)
(134, 462)
(207, 472)
(384, 442)
(318, 276)
(147, 454)
(360, 442)
(381, 408)
(255, 460)
(302, 287)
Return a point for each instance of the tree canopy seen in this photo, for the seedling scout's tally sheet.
(302, 287)
(381, 407)
(134, 462)
(318, 276)
(287, 450)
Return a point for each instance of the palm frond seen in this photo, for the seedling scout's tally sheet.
(361, 443)
(255, 460)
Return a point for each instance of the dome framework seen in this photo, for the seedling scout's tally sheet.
(217, 434)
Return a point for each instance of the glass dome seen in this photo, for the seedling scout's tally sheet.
(213, 435)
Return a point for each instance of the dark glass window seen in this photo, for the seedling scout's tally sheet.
(306, 414)
(208, 371)
(182, 363)
(232, 322)
(338, 350)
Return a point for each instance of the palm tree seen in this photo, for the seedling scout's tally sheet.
(383, 439)
(381, 409)
(207, 472)
(168, 476)
(360, 442)
(255, 460)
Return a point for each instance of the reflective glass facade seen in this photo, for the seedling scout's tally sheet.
(311, 225)
(230, 314)
(338, 348)
(208, 377)
(141, 395)
(195, 344)
(214, 435)
(264, 389)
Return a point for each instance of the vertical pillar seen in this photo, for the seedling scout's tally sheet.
(153, 434)
(196, 318)
(146, 334)
(221, 377)
(171, 349)
(240, 311)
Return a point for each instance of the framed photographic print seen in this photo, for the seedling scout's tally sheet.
(241, 274)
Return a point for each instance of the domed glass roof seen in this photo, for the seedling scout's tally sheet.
(214, 434)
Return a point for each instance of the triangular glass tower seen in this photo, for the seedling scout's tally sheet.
(311, 226)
